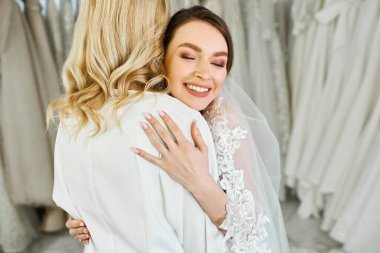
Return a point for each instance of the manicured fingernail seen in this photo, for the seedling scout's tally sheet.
(136, 150)
(82, 224)
(162, 113)
(148, 116)
(144, 125)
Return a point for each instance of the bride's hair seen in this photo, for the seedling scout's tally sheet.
(117, 45)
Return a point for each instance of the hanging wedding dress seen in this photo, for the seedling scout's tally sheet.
(47, 69)
(55, 33)
(358, 224)
(346, 186)
(343, 210)
(362, 107)
(22, 127)
(28, 173)
(260, 77)
(304, 28)
(16, 231)
(312, 85)
(345, 13)
(324, 104)
(67, 25)
(353, 78)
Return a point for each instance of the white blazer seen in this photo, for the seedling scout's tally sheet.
(128, 204)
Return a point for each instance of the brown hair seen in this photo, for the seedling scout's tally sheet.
(201, 13)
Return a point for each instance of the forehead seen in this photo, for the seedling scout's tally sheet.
(201, 34)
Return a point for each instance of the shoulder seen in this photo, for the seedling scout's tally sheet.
(150, 102)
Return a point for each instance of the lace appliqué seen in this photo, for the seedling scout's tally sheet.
(245, 227)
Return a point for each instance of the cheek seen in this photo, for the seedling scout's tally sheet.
(219, 80)
(178, 72)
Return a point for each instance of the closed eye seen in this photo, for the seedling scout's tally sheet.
(187, 57)
(220, 65)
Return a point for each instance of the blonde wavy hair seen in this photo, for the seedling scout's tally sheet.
(117, 46)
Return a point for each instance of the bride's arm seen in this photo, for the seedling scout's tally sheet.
(186, 163)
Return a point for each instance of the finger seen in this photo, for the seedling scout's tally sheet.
(74, 223)
(148, 157)
(173, 127)
(161, 131)
(78, 231)
(154, 139)
(83, 237)
(85, 242)
(197, 137)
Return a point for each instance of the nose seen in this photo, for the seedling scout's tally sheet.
(202, 71)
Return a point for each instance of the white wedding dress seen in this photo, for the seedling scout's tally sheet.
(345, 15)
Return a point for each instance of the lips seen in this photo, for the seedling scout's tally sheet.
(197, 90)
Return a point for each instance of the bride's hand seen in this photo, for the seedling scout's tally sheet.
(78, 229)
(185, 163)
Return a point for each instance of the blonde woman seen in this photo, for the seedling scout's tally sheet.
(113, 77)
(198, 56)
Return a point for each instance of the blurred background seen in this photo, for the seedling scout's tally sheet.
(312, 67)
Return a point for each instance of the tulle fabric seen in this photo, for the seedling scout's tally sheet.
(255, 154)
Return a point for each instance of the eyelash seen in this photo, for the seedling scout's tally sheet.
(186, 57)
(218, 65)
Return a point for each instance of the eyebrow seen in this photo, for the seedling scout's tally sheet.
(198, 49)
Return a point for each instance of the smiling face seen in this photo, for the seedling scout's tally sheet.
(195, 62)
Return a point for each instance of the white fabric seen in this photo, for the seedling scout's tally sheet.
(334, 84)
(249, 168)
(359, 52)
(128, 204)
(347, 185)
(358, 226)
(362, 106)
(304, 28)
(267, 83)
(311, 85)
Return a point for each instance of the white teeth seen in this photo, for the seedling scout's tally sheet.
(196, 88)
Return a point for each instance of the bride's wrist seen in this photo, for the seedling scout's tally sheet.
(201, 185)
(212, 199)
